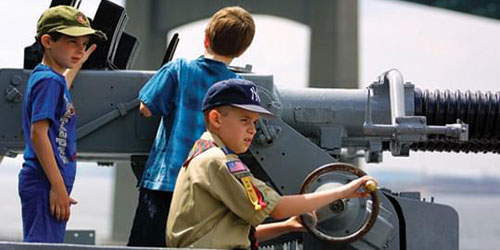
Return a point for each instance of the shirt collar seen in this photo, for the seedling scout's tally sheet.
(213, 137)
(208, 60)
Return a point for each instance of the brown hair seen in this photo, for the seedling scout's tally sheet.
(54, 36)
(230, 31)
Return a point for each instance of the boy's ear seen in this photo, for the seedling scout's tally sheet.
(46, 40)
(206, 42)
(214, 118)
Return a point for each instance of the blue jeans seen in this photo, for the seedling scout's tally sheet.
(38, 224)
(150, 221)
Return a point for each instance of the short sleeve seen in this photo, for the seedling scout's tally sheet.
(159, 92)
(229, 190)
(45, 96)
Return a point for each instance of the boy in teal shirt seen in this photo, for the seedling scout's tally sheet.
(175, 93)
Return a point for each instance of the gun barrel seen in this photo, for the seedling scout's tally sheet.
(481, 111)
(310, 111)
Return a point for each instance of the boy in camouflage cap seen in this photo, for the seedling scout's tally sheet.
(49, 124)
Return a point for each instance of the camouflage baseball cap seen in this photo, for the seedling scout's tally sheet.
(66, 20)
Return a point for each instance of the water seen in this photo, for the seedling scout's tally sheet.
(478, 213)
(475, 199)
(479, 219)
(93, 189)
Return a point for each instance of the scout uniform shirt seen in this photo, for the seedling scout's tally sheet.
(210, 207)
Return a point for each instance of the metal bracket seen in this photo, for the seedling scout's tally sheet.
(266, 134)
(121, 110)
(406, 130)
(12, 94)
(84, 237)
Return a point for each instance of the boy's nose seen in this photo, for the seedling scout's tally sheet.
(81, 47)
(252, 129)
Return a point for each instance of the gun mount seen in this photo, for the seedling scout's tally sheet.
(313, 127)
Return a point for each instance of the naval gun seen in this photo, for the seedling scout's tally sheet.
(312, 128)
(313, 133)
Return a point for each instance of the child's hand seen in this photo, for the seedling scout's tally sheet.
(70, 73)
(352, 189)
(294, 224)
(87, 53)
(60, 203)
(310, 218)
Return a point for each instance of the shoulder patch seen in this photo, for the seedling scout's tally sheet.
(239, 170)
(236, 166)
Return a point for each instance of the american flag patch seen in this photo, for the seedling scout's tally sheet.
(236, 166)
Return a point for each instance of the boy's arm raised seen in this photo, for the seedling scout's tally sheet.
(59, 199)
(70, 74)
(291, 205)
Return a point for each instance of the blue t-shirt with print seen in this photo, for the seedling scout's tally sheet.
(176, 93)
(48, 98)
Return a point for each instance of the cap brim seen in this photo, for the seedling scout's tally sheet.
(254, 108)
(82, 31)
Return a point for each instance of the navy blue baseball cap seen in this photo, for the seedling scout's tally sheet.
(239, 93)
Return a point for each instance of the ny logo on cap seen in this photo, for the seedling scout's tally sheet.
(255, 94)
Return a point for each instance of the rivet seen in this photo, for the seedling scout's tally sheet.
(16, 80)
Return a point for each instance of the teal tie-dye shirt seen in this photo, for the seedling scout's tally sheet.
(176, 93)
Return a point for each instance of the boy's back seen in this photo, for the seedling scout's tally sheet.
(176, 92)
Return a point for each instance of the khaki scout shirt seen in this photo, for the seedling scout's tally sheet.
(210, 208)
